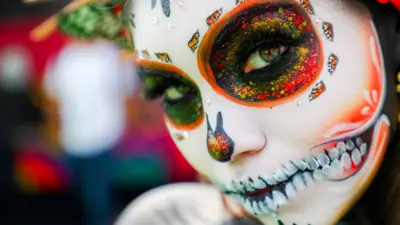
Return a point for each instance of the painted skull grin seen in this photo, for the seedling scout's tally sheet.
(335, 161)
(285, 75)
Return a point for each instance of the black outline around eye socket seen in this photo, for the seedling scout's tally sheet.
(148, 65)
(205, 48)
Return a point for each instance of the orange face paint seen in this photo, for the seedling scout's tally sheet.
(184, 113)
(241, 33)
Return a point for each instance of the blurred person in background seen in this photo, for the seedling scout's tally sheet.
(17, 111)
(91, 84)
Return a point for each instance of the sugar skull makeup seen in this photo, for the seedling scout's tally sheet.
(278, 102)
(268, 52)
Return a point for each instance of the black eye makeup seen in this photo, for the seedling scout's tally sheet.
(181, 98)
(266, 52)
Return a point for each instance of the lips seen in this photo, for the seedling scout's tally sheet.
(334, 161)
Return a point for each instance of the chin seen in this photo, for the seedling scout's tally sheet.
(333, 163)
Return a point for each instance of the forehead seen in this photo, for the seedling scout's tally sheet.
(164, 28)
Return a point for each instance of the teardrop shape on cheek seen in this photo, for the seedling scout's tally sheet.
(220, 145)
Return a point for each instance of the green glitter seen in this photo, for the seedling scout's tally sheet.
(96, 21)
(280, 10)
(185, 109)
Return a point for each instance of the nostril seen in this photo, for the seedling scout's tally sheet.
(249, 145)
(243, 155)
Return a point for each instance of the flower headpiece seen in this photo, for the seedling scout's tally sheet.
(89, 20)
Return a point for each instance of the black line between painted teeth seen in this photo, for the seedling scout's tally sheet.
(366, 137)
(281, 223)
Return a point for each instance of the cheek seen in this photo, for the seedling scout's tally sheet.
(192, 144)
(362, 103)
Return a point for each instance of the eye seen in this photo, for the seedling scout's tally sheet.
(174, 94)
(264, 54)
(181, 98)
(263, 57)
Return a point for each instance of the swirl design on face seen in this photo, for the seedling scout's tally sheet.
(263, 54)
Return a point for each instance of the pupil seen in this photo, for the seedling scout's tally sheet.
(270, 54)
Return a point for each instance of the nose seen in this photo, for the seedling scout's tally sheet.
(223, 148)
(249, 144)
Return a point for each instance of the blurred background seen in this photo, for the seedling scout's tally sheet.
(37, 183)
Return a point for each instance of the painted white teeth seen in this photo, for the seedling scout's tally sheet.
(312, 163)
(271, 204)
(317, 174)
(358, 141)
(239, 187)
(279, 198)
(263, 207)
(333, 162)
(299, 182)
(346, 161)
(341, 146)
(356, 156)
(333, 153)
(259, 184)
(255, 208)
(248, 207)
(301, 165)
(349, 145)
(308, 178)
(238, 198)
(290, 169)
(290, 190)
(232, 187)
(280, 175)
(363, 148)
(326, 170)
(248, 186)
(323, 159)
(270, 180)
(326, 163)
(337, 167)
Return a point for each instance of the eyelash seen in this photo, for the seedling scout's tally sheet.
(185, 112)
(243, 75)
(158, 91)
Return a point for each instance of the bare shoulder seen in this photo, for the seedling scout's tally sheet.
(177, 204)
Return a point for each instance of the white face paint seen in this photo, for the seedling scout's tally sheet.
(289, 121)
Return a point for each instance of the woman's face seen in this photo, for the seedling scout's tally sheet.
(278, 102)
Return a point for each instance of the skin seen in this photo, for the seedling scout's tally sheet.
(155, 206)
(265, 135)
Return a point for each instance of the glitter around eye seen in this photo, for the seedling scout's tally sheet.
(181, 99)
(291, 72)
